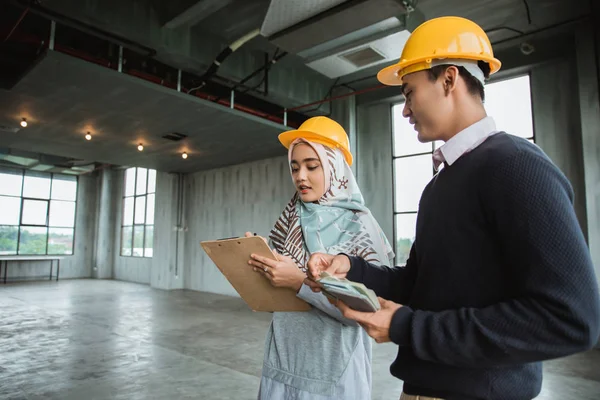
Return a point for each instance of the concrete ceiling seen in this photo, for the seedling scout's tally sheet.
(64, 97)
(506, 22)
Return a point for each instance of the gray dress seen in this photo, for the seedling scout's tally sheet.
(316, 355)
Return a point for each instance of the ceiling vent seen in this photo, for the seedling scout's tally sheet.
(175, 137)
(337, 38)
(363, 57)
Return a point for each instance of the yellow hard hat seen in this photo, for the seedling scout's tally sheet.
(320, 130)
(440, 38)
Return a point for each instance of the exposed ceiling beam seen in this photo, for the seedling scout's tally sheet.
(196, 13)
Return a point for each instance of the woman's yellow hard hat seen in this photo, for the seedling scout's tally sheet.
(438, 39)
(320, 130)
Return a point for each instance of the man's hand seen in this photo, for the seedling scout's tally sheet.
(337, 266)
(376, 324)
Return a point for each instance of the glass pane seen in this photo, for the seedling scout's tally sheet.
(149, 241)
(140, 210)
(140, 183)
(8, 239)
(130, 182)
(405, 136)
(36, 185)
(406, 226)
(60, 241)
(126, 237)
(509, 103)
(128, 211)
(138, 241)
(10, 210)
(62, 213)
(64, 187)
(33, 240)
(10, 182)
(35, 212)
(151, 180)
(150, 210)
(411, 175)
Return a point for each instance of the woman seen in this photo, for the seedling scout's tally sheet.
(318, 354)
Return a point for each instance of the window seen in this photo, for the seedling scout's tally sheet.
(38, 212)
(137, 229)
(412, 169)
(508, 102)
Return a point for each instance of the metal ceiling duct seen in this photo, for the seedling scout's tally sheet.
(337, 37)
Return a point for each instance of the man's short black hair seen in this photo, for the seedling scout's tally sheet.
(473, 84)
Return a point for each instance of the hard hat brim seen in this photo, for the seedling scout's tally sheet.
(287, 138)
(389, 75)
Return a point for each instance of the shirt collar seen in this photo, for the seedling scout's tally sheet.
(464, 141)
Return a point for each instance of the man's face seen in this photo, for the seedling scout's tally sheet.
(428, 106)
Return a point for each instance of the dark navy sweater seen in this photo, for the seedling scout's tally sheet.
(499, 278)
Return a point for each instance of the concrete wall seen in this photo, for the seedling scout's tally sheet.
(79, 265)
(558, 126)
(374, 164)
(588, 71)
(168, 258)
(228, 202)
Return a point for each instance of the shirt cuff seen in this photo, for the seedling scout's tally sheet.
(401, 326)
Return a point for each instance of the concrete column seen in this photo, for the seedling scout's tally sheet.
(344, 112)
(106, 244)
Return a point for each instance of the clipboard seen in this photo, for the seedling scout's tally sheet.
(231, 256)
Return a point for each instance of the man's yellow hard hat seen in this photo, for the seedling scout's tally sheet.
(320, 130)
(438, 39)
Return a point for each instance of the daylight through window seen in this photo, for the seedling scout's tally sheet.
(137, 229)
(38, 212)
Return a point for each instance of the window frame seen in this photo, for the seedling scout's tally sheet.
(395, 213)
(21, 225)
(145, 225)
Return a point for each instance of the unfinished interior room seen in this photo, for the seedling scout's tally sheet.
(147, 146)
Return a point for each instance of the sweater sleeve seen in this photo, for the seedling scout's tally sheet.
(391, 283)
(555, 310)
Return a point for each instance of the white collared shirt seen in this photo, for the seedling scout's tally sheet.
(464, 141)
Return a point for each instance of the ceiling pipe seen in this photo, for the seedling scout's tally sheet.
(337, 97)
(17, 24)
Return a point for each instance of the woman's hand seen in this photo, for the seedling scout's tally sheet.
(282, 272)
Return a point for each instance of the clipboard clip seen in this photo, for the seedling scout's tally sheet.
(234, 237)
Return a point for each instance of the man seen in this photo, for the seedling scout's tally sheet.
(499, 277)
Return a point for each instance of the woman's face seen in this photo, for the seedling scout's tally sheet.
(307, 173)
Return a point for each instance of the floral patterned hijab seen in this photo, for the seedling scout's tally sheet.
(338, 223)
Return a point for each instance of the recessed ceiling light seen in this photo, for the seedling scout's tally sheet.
(88, 136)
(24, 123)
(140, 147)
(184, 155)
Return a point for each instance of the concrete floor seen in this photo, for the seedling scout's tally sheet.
(93, 340)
